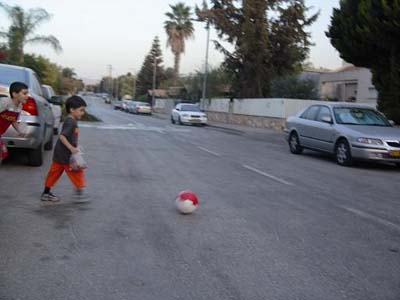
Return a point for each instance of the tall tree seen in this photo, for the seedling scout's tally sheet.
(145, 76)
(366, 33)
(47, 71)
(68, 73)
(289, 41)
(264, 47)
(21, 32)
(179, 28)
(219, 84)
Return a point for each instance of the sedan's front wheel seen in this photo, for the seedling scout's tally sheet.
(294, 144)
(172, 120)
(343, 153)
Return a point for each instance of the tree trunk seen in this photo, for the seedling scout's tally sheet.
(16, 47)
(176, 67)
(253, 43)
(387, 82)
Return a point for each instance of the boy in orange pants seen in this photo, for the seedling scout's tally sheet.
(67, 145)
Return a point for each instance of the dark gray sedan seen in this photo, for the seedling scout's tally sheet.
(349, 131)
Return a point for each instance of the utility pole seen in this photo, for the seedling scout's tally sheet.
(110, 68)
(154, 80)
(116, 88)
(134, 86)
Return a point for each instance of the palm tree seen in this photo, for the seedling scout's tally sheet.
(21, 32)
(179, 28)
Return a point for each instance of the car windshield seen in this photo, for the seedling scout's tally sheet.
(359, 116)
(10, 75)
(190, 108)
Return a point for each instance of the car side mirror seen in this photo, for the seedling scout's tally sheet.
(327, 119)
(55, 100)
(392, 122)
(177, 109)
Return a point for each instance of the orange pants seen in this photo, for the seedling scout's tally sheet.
(56, 170)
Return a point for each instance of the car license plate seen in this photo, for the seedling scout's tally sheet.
(395, 153)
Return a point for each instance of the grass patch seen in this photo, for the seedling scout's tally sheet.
(90, 118)
(86, 117)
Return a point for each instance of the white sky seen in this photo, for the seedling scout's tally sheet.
(95, 33)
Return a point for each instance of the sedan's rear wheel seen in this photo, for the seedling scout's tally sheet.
(343, 153)
(398, 165)
(294, 144)
(36, 156)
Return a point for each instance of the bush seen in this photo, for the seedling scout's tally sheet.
(293, 87)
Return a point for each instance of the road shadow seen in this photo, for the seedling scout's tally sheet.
(61, 213)
(16, 157)
(358, 164)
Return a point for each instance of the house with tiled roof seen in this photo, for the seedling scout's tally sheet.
(349, 84)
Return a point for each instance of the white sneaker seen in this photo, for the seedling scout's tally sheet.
(49, 197)
(81, 196)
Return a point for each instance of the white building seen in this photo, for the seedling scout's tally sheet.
(349, 84)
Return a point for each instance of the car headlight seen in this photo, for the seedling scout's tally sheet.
(369, 141)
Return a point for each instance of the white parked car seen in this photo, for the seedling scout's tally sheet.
(143, 108)
(185, 113)
(50, 95)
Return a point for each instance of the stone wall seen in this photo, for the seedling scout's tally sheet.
(164, 106)
(246, 120)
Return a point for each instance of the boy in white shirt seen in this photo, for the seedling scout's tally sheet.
(10, 109)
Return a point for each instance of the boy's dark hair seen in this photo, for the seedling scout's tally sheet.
(74, 102)
(16, 87)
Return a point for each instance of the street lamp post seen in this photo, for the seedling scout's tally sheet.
(205, 77)
(204, 93)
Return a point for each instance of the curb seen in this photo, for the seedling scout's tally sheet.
(227, 129)
(211, 125)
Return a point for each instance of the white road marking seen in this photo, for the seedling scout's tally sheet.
(130, 127)
(371, 217)
(209, 151)
(267, 175)
(118, 115)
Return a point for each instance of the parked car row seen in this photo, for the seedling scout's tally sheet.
(133, 107)
(41, 114)
(348, 131)
(55, 103)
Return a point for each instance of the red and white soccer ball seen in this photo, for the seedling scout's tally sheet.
(187, 202)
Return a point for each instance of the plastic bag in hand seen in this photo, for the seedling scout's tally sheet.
(77, 162)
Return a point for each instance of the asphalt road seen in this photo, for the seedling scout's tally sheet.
(270, 225)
